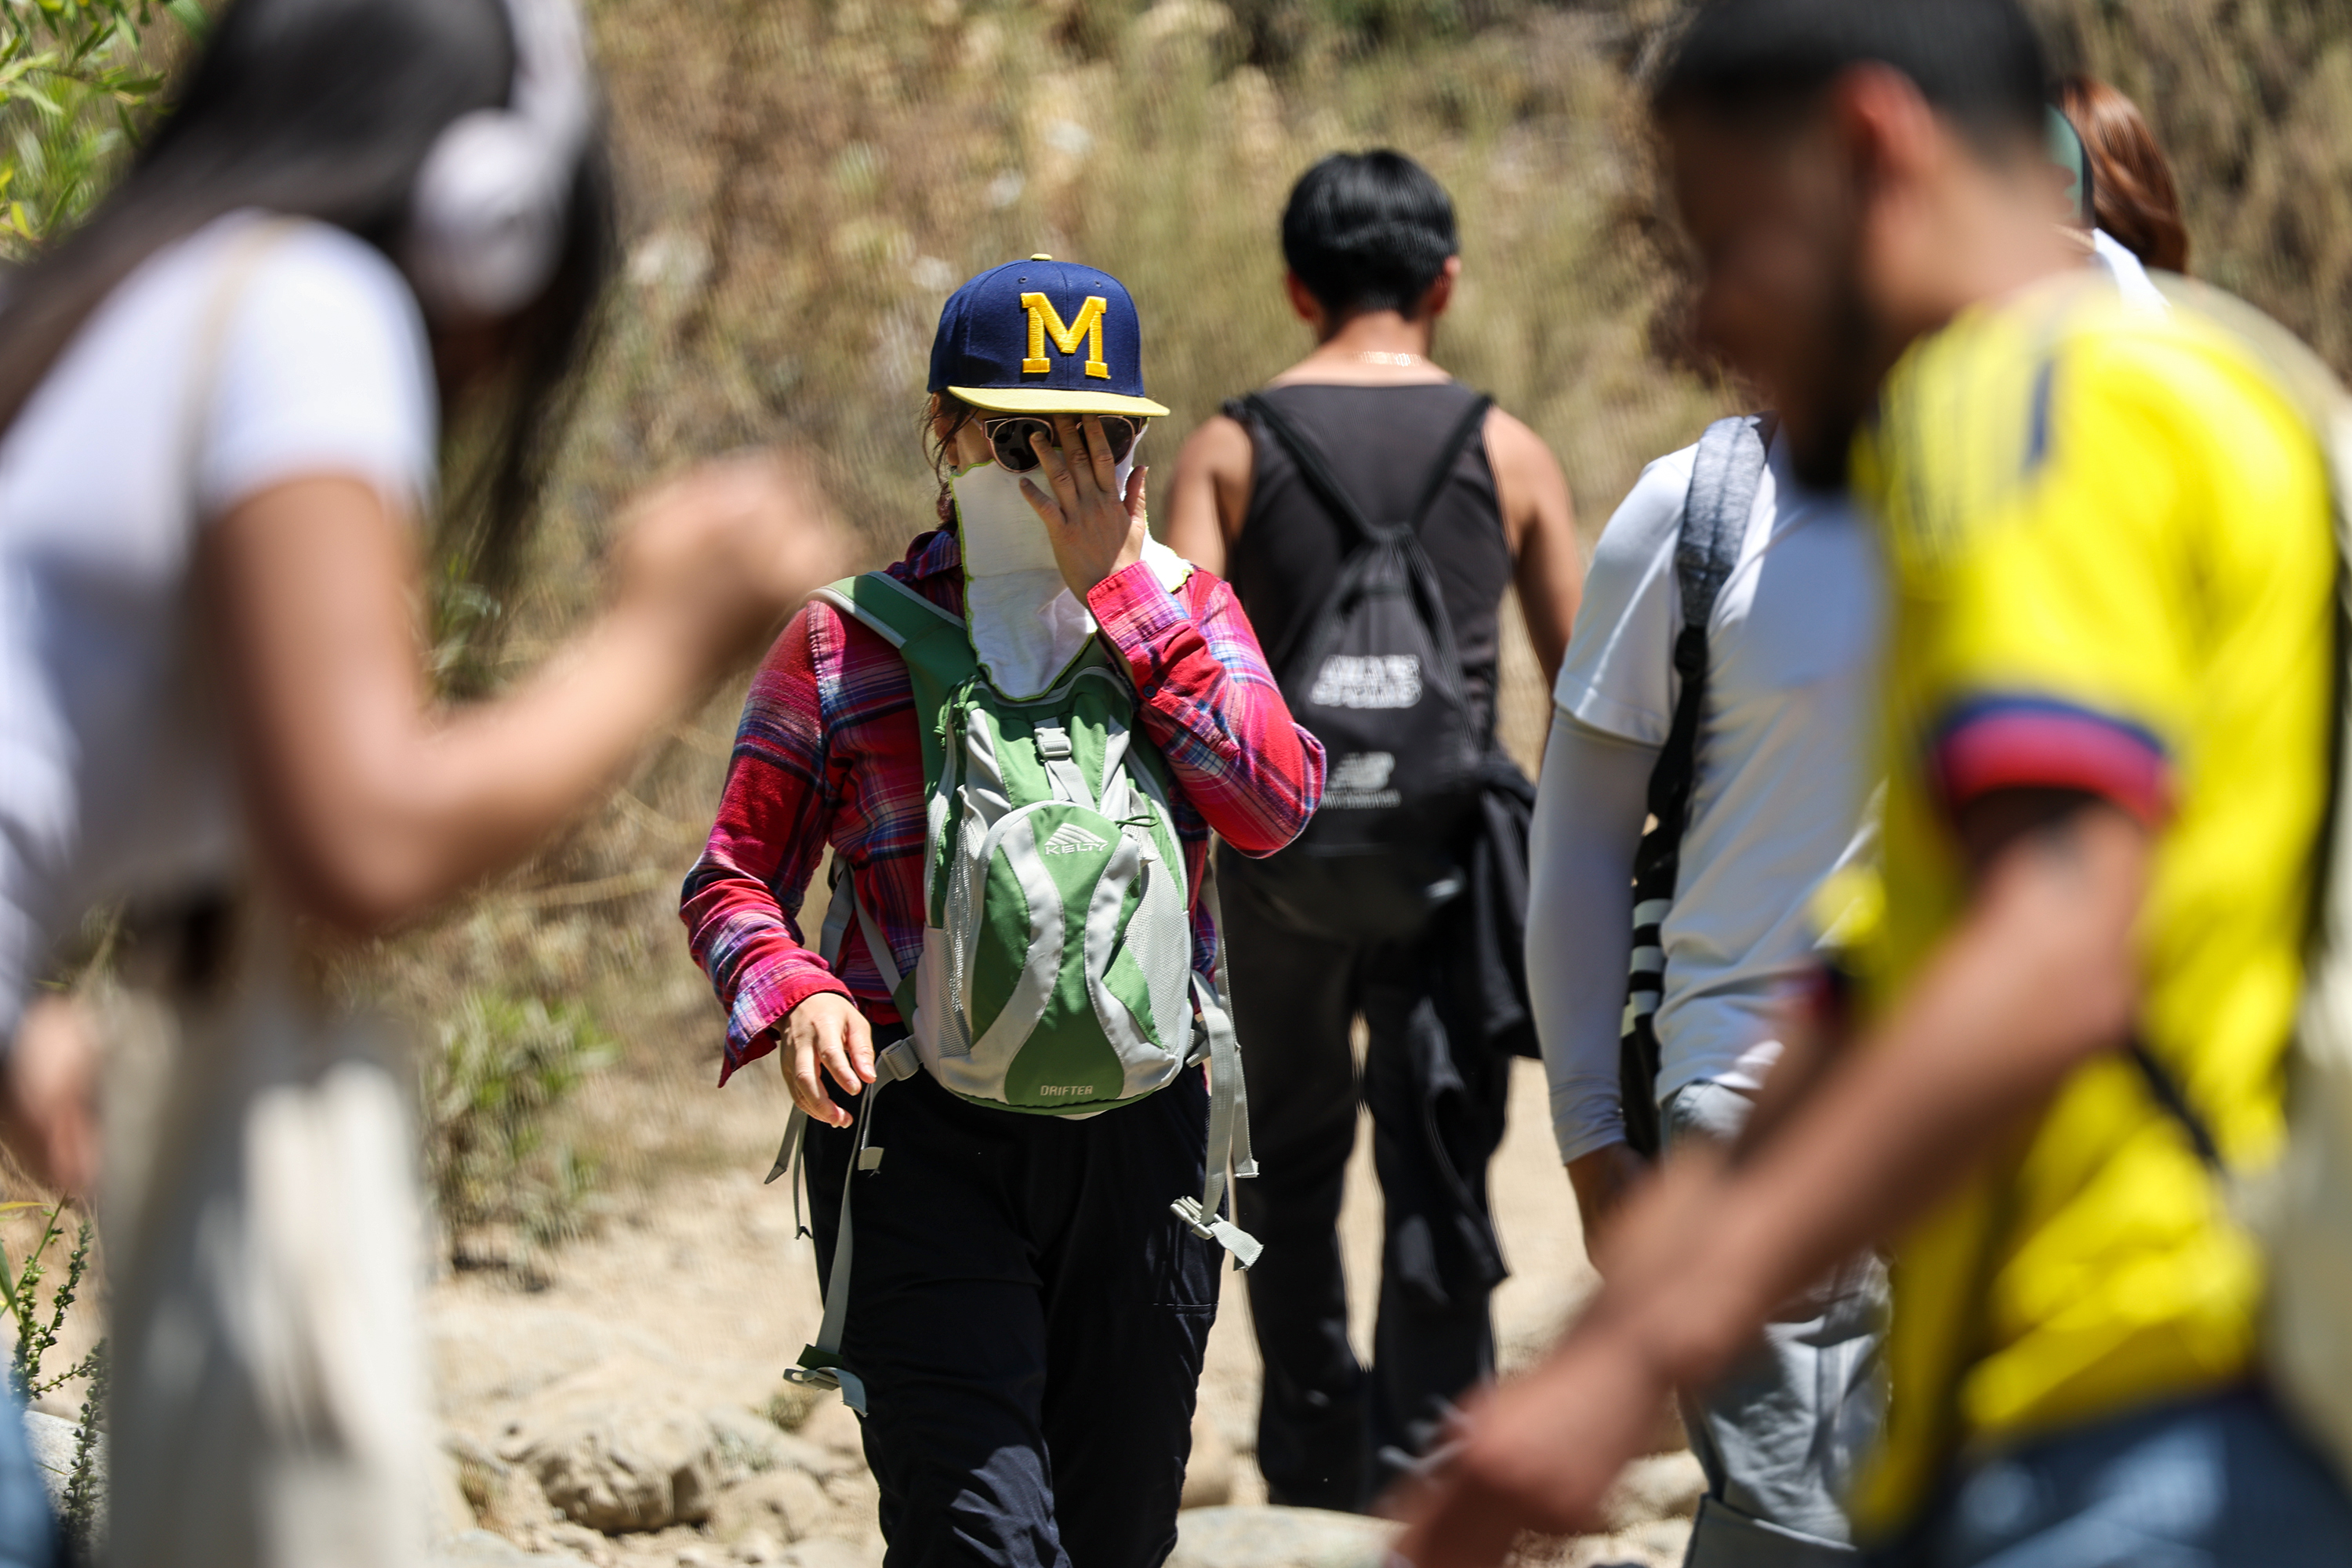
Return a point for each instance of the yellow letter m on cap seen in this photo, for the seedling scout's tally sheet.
(1047, 321)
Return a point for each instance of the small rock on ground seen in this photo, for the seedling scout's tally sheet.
(823, 1553)
(1278, 1538)
(645, 1464)
(783, 1506)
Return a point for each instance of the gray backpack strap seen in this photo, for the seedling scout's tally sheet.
(1726, 474)
(844, 907)
(836, 915)
(1725, 479)
(1230, 1155)
(821, 1366)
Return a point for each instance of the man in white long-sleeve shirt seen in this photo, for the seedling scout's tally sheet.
(1781, 775)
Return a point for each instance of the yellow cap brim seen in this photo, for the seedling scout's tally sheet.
(1051, 400)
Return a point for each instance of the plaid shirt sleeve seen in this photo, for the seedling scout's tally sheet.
(768, 836)
(1211, 706)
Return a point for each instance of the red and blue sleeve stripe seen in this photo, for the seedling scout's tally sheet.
(1994, 743)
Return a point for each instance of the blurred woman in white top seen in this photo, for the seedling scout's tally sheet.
(220, 406)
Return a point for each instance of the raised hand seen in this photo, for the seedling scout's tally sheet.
(724, 551)
(1096, 530)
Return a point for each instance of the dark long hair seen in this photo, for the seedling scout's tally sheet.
(326, 109)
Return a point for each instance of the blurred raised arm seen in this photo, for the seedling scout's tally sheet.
(368, 803)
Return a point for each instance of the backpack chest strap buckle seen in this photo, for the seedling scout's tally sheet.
(1054, 751)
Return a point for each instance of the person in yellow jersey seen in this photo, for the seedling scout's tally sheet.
(2106, 721)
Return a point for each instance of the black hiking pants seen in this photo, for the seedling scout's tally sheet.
(1331, 1433)
(1029, 1320)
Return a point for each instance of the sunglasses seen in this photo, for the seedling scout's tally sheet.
(1009, 438)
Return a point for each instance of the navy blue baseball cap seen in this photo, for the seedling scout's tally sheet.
(1042, 336)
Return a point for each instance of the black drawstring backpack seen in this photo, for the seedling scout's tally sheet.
(1375, 675)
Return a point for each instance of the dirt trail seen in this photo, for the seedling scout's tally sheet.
(1541, 1239)
(698, 1292)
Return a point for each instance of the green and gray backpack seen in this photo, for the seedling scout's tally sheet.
(1057, 973)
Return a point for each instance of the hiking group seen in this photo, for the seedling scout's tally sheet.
(1926, 915)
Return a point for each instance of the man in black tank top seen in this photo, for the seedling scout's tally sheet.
(1371, 243)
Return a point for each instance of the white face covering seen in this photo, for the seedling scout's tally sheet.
(1026, 625)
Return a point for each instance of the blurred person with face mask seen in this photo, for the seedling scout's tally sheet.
(221, 402)
(1016, 741)
(1362, 480)
(2106, 726)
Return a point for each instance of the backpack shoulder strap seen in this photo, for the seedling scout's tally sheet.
(1465, 429)
(1316, 472)
(934, 644)
(1725, 477)
(246, 253)
(888, 608)
(1311, 465)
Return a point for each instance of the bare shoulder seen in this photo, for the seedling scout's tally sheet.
(1221, 445)
(1529, 487)
(1511, 444)
(1215, 471)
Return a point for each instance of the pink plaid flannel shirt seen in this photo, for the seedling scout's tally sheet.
(828, 755)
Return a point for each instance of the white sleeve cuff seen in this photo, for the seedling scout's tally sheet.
(1586, 1118)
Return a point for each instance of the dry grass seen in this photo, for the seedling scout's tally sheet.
(808, 183)
(809, 180)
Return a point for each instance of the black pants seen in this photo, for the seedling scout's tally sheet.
(1029, 1320)
(1332, 1434)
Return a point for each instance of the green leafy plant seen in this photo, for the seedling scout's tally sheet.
(506, 1066)
(75, 83)
(38, 1330)
(79, 1516)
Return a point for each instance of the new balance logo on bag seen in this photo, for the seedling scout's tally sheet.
(1375, 680)
(1359, 782)
(1071, 839)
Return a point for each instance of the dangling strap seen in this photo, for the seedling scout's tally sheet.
(821, 1366)
(788, 1157)
(1245, 1160)
(1229, 1140)
(836, 915)
(844, 905)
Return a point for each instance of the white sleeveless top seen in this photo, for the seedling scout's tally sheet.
(114, 775)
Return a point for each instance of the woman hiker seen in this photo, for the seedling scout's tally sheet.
(220, 404)
(1003, 1005)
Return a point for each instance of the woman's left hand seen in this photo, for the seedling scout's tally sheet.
(1096, 530)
